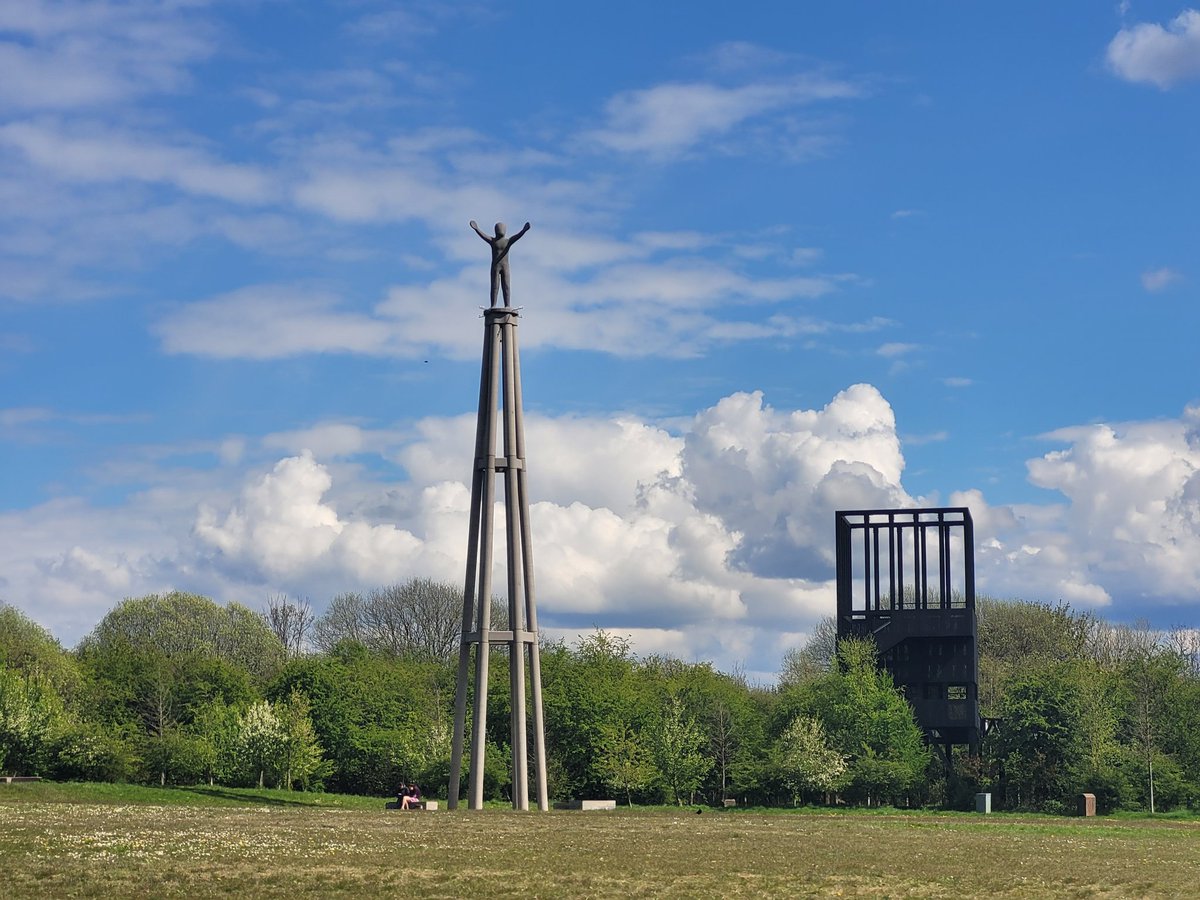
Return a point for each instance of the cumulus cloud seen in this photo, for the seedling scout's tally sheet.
(634, 527)
(1151, 54)
(709, 539)
(280, 526)
(1134, 502)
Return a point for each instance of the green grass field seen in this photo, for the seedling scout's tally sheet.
(107, 841)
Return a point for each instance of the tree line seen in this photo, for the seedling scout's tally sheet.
(176, 689)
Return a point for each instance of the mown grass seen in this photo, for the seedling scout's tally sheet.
(112, 841)
(200, 795)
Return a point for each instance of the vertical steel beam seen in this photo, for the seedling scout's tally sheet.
(513, 466)
(535, 666)
(478, 473)
(483, 608)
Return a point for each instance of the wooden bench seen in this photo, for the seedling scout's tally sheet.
(21, 779)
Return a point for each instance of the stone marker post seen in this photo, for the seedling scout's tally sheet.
(1087, 804)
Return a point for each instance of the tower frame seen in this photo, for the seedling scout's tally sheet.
(906, 578)
(499, 405)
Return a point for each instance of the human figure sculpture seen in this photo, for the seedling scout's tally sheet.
(501, 244)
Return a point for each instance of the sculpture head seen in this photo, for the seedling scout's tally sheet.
(500, 229)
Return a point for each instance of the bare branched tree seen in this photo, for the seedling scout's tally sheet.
(1184, 642)
(814, 658)
(344, 620)
(292, 622)
(420, 618)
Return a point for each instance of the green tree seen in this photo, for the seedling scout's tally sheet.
(154, 696)
(724, 707)
(1151, 674)
(29, 649)
(624, 759)
(1038, 746)
(588, 690)
(1106, 766)
(1180, 732)
(216, 725)
(1015, 635)
(867, 720)
(379, 719)
(179, 624)
(678, 745)
(302, 758)
(89, 751)
(30, 712)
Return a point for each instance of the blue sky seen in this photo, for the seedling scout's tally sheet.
(786, 258)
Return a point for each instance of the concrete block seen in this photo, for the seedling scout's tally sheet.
(983, 803)
(1087, 804)
(594, 804)
(729, 803)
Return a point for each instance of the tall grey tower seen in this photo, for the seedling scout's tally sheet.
(500, 399)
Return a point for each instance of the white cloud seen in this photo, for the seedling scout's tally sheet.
(713, 542)
(281, 527)
(73, 55)
(635, 528)
(776, 478)
(1149, 53)
(66, 563)
(1134, 493)
(106, 156)
(324, 440)
(566, 446)
(667, 120)
(647, 300)
(1155, 280)
(270, 322)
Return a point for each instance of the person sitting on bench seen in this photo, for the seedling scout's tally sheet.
(412, 799)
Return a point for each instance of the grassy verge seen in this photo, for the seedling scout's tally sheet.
(199, 795)
(112, 841)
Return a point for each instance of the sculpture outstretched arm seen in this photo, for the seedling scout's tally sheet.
(516, 237)
(479, 232)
